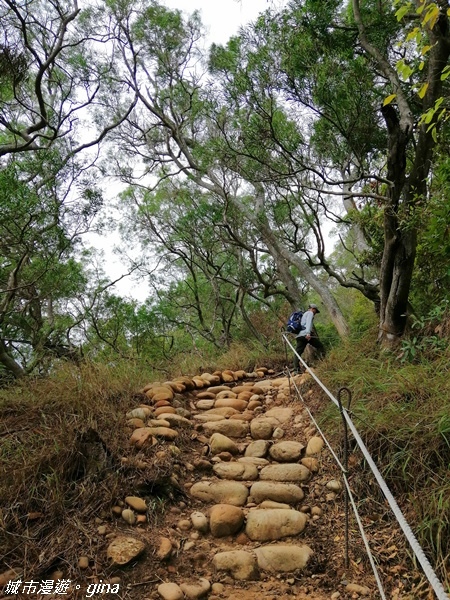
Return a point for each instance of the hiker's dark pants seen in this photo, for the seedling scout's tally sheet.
(302, 342)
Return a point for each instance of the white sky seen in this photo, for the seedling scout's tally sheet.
(222, 18)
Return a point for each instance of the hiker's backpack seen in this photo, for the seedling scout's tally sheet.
(294, 322)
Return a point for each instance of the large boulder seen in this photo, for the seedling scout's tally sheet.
(277, 491)
(258, 448)
(282, 558)
(240, 564)
(288, 451)
(235, 403)
(220, 492)
(225, 411)
(285, 472)
(282, 414)
(274, 524)
(221, 443)
(234, 429)
(262, 428)
(236, 470)
(314, 446)
(206, 403)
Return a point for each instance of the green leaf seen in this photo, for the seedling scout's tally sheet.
(421, 8)
(431, 15)
(401, 12)
(423, 90)
(389, 99)
(406, 72)
(414, 34)
(428, 116)
(445, 73)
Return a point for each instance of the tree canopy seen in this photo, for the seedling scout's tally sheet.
(320, 121)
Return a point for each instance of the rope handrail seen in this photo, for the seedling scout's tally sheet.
(350, 495)
(414, 543)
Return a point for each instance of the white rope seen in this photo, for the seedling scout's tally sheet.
(350, 495)
(417, 549)
(366, 542)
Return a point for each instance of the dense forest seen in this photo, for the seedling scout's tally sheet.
(305, 159)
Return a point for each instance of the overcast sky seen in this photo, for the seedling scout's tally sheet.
(222, 17)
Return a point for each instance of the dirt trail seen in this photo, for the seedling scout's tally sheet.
(223, 490)
(234, 433)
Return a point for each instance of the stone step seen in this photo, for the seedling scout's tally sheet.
(255, 494)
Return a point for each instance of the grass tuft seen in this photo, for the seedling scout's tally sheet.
(63, 440)
(401, 411)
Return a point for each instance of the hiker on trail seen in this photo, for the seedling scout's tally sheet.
(307, 335)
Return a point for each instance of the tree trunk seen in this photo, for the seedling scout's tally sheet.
(256, 334)
(399, 243)
(9, 363)
(396, 274)
(286, 276)
(280, 253)
(284, 257)
(348, 177)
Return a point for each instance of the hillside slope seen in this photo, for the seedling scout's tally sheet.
(220, 487)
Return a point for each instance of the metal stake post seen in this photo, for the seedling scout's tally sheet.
(344, 474)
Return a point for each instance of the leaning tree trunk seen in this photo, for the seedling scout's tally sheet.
(348, 177)
(281, 254)
(254, 331)
(284, 258)
(9, 363)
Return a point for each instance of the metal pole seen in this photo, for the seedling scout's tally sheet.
(344, 474)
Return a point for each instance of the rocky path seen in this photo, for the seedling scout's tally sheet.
(259, 515)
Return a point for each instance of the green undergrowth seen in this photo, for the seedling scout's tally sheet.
(402, 412)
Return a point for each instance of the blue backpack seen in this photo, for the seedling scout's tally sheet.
(294, 322)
